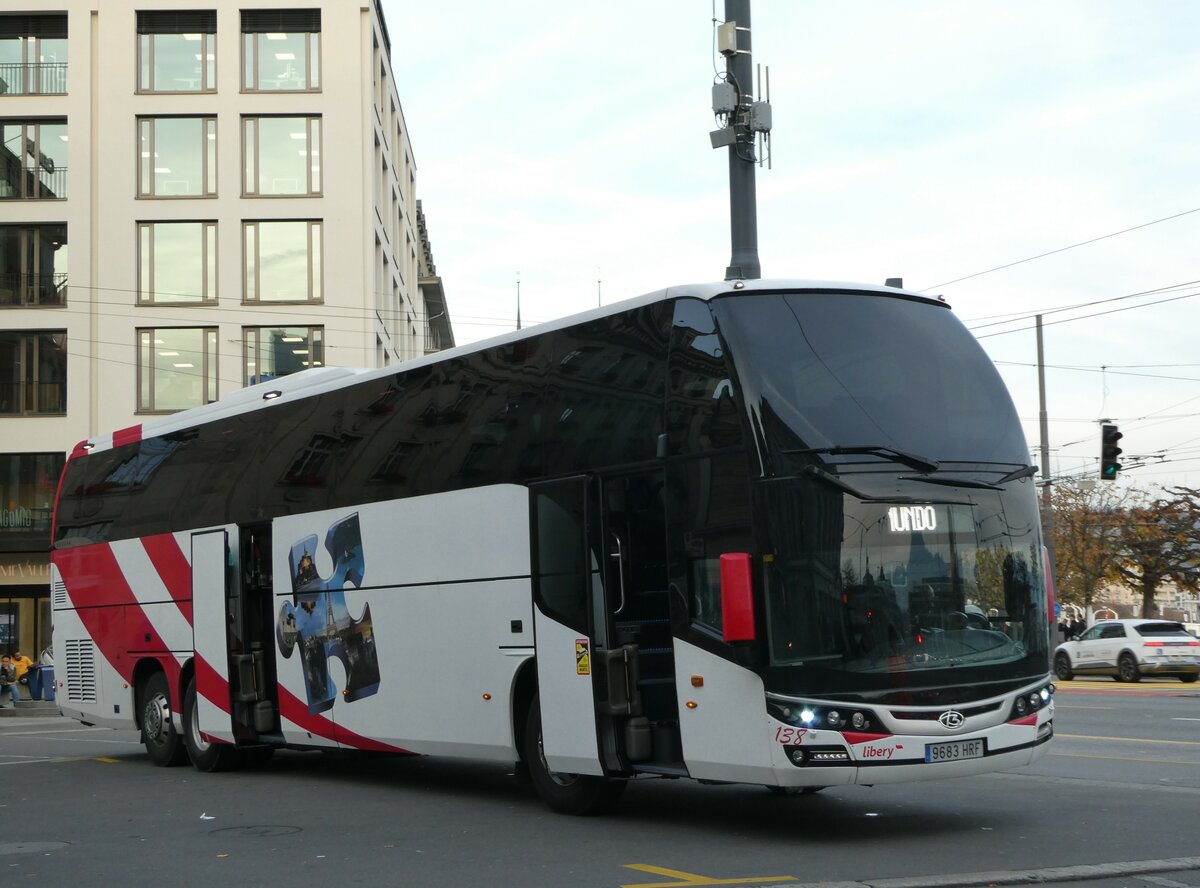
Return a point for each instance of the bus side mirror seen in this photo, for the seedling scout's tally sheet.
(737, 598)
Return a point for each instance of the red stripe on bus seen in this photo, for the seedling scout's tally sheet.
(102, 599)
(1029, 720)
(131, 435)
(211, 685)
(855, 737)
(296, 711)
(173, 568)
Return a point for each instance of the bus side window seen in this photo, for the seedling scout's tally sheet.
(708, 501)
(702, 410)
(562, 566)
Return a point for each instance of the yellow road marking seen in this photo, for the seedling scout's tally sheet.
(683, 878)
(1130, 739)
(85, 758)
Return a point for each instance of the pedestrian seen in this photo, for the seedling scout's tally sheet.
(22, 664)
(8, 682)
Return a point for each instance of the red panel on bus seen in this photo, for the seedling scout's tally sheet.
(131, 435)
(737, 597)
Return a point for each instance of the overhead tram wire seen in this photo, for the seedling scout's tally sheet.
(1017, 317)
(1094, 314)
(1060, 250)
(78, 306)
(1107, 369)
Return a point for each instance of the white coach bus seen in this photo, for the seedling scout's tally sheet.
(771, 532)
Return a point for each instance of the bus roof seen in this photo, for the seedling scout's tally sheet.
(318, 380)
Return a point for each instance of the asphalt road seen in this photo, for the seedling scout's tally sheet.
(1114, 803)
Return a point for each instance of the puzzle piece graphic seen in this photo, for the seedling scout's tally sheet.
(318, 620)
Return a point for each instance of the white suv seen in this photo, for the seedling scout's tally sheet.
(1129, 649)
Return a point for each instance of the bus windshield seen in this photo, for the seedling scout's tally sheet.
(896, 516)
(872, 596)
(912, 378)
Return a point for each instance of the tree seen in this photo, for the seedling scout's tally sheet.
(1083, 531)
(1157, 542)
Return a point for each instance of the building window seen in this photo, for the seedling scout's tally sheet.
(282, 261)
(33, 265)
(177, 51)
(27, 485)
(279, 351)
(176, 369)
(33, 55)
(33, 372)
(177, 263)
(34, 159)
(281, 50)
(282, 155)
(177, 157)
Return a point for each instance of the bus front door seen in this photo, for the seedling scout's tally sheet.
(605, 657)
(253, 686)
(235, 672)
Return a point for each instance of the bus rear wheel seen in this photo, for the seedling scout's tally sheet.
(564, 793)
(159, 736)
(205, 755)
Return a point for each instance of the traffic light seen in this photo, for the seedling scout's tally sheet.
(1109, 451)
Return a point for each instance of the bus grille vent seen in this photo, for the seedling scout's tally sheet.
(81, 671)
(60, 593)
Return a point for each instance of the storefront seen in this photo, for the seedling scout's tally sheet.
(24, 605)
(27, 484)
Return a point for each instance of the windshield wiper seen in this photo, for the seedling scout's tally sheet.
(1022, 472)
(1019, 472)
(920, 463)
(835, 481)
(951, 482)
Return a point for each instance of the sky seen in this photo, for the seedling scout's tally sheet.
(565, 146)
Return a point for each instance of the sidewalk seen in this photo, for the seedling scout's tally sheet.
(31, 709)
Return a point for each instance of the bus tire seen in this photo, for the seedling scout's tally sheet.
(163, 743)
(205, 755)
(565, 793)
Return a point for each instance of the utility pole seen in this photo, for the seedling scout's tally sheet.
(1044, 429)
(733, 100)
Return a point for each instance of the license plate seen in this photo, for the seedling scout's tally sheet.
(955, 751)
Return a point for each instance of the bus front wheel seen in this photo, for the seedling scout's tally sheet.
(159, 736)
(565, 793)
(205, 755)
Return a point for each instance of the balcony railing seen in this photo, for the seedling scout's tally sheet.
(37, 290)
(32, 398)
(40, 79)
(33, 183)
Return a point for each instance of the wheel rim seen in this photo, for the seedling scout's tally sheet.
(1062, 667)
(197, 740)
(156, 719)
(560, 779)
(1128, 669)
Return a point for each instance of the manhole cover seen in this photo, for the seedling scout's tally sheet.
(256, 832)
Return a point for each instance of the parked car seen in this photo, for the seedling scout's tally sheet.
(1129, 649)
